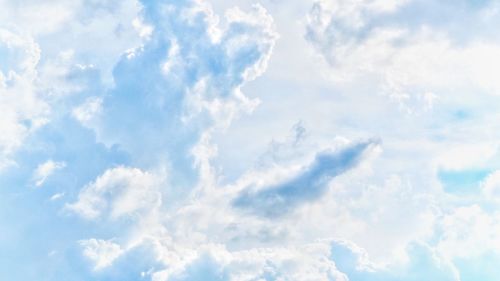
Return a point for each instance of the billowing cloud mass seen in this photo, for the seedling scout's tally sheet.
(185, 140)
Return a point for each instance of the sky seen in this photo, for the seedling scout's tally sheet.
(298, 140)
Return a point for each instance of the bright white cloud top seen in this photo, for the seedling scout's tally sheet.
(300, 140)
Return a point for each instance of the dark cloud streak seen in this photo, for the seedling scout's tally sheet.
(308, 185)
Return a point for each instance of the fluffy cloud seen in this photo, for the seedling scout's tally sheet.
(491, 185)
(395, 213)
(412, 63)
(424, 264)
(469, 232)
(109, 22)
(102, 253)
(182, 83)
(308, 262)
(36, 71)
(23, 109)
(138, 119)
(118, 192)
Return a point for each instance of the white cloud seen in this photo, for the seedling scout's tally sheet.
(401, 61)
(30, 78)
(491, 186)
(111, 23)
(469, 232)
(350, 14)
(395, 213)
(88, 111)
(101, 252)
(57, 196)
(23, 110)
(190, 82)
(215, 262)
(119, 192)
(143, 29)
(424, 264)
(181, 76)
(465, 155)
(45, 170)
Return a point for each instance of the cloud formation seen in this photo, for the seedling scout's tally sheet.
(307, 185)
(414, 62)
(118, 192)
(157, 134)
(44, 170)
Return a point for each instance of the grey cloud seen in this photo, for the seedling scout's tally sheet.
(308, 185)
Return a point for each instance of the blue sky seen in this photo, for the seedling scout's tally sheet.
(301, 140)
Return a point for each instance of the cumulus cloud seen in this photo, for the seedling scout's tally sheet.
(101, 252)
(469, 232)
(182, 83)
(424, 264)
(136, 122)
(23, 110)
(214, 262)
(491, 186)
(115, 24)
(118, 192)
(405, 61)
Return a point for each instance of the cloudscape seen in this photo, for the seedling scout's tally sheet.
(245, 140)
